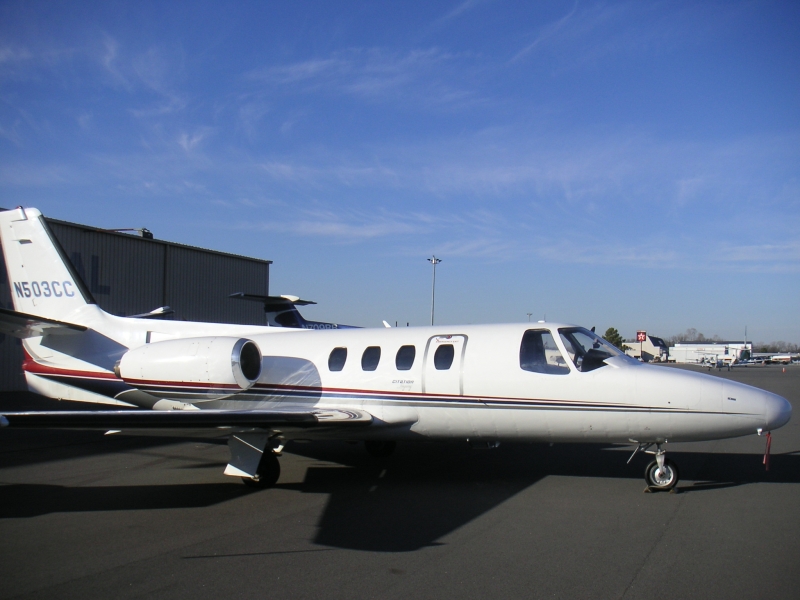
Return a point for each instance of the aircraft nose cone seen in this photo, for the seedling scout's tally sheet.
(777, 411)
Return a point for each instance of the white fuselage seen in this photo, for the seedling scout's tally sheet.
(483, 394)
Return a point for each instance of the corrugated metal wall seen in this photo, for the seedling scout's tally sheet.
(129, 275)
(124, 273)
(198, 285)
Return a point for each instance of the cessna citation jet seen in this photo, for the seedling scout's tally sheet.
(261, 387)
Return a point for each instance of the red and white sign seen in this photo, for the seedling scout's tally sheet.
(641, 336)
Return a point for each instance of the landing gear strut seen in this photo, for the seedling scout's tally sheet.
(661, 473)
(269, 469)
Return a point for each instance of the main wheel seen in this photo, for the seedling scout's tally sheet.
(666, 480)
(269, 469)
(379, 448)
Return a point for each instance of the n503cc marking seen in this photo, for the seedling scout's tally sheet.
(43, 289)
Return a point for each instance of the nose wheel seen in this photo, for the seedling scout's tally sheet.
(661, 473)
(661, 478)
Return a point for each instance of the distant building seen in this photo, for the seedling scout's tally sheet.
(654, 349)
(710, 352)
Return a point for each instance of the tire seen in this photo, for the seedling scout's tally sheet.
(667, 482)
(269, 470)
(379, 448)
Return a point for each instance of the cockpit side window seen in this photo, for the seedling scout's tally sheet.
(538, 353)
(586, 349)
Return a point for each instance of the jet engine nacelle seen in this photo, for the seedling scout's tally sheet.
(226, 364)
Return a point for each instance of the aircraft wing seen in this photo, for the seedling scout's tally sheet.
(186, 419)
(23, 325)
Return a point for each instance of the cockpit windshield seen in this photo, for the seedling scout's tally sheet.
(587, 350)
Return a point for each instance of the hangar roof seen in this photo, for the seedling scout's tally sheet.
(155, 240)
(151, 240)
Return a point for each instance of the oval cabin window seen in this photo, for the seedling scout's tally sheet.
(443, 358)
(337, 359)
(371, 358)
(405, 358)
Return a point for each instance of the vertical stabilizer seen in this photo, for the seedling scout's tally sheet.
(41, 278)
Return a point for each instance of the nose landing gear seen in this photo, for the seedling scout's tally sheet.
(661, 473)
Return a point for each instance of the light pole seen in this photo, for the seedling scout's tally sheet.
(529, 317)
(434, 261)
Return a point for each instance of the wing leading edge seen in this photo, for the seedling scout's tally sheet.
(185, 419)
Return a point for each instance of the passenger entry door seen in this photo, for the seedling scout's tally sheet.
(444, 361)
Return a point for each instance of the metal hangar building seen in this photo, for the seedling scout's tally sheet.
(134, 274)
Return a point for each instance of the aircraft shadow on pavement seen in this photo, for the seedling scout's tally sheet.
(23, 447)
(32, 500)
(413, 499)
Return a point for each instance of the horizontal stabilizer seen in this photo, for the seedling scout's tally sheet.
(23, 325)
(158, 312)
(285, 300)
(282, 311)
(185, 419)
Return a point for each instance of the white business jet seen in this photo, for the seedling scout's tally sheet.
(262, 387)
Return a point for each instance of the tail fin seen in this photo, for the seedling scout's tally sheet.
(42, 280)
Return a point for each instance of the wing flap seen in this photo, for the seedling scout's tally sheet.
(186, 419)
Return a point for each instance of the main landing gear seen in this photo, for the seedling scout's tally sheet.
(269, 469)
(661, 474)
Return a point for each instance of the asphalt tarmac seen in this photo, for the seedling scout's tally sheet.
(87, 516)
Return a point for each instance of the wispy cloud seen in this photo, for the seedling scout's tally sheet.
(589, 33)
(546, 33)
(32, 63)
(10, 55)
(769, 257)
(317, 175)
(344, 225)
(462, 8)
(251, 115)
(374, 73)
(675, 254)
(486, 248)
(27, 175)
(304, 71)
(108, 58)
(158, 74)
(476, 166)
(189, 141)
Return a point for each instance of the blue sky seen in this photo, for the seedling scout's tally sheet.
(626, 164)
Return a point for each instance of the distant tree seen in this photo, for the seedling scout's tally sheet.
(691, 335)
(613, 337)
(780, 346)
